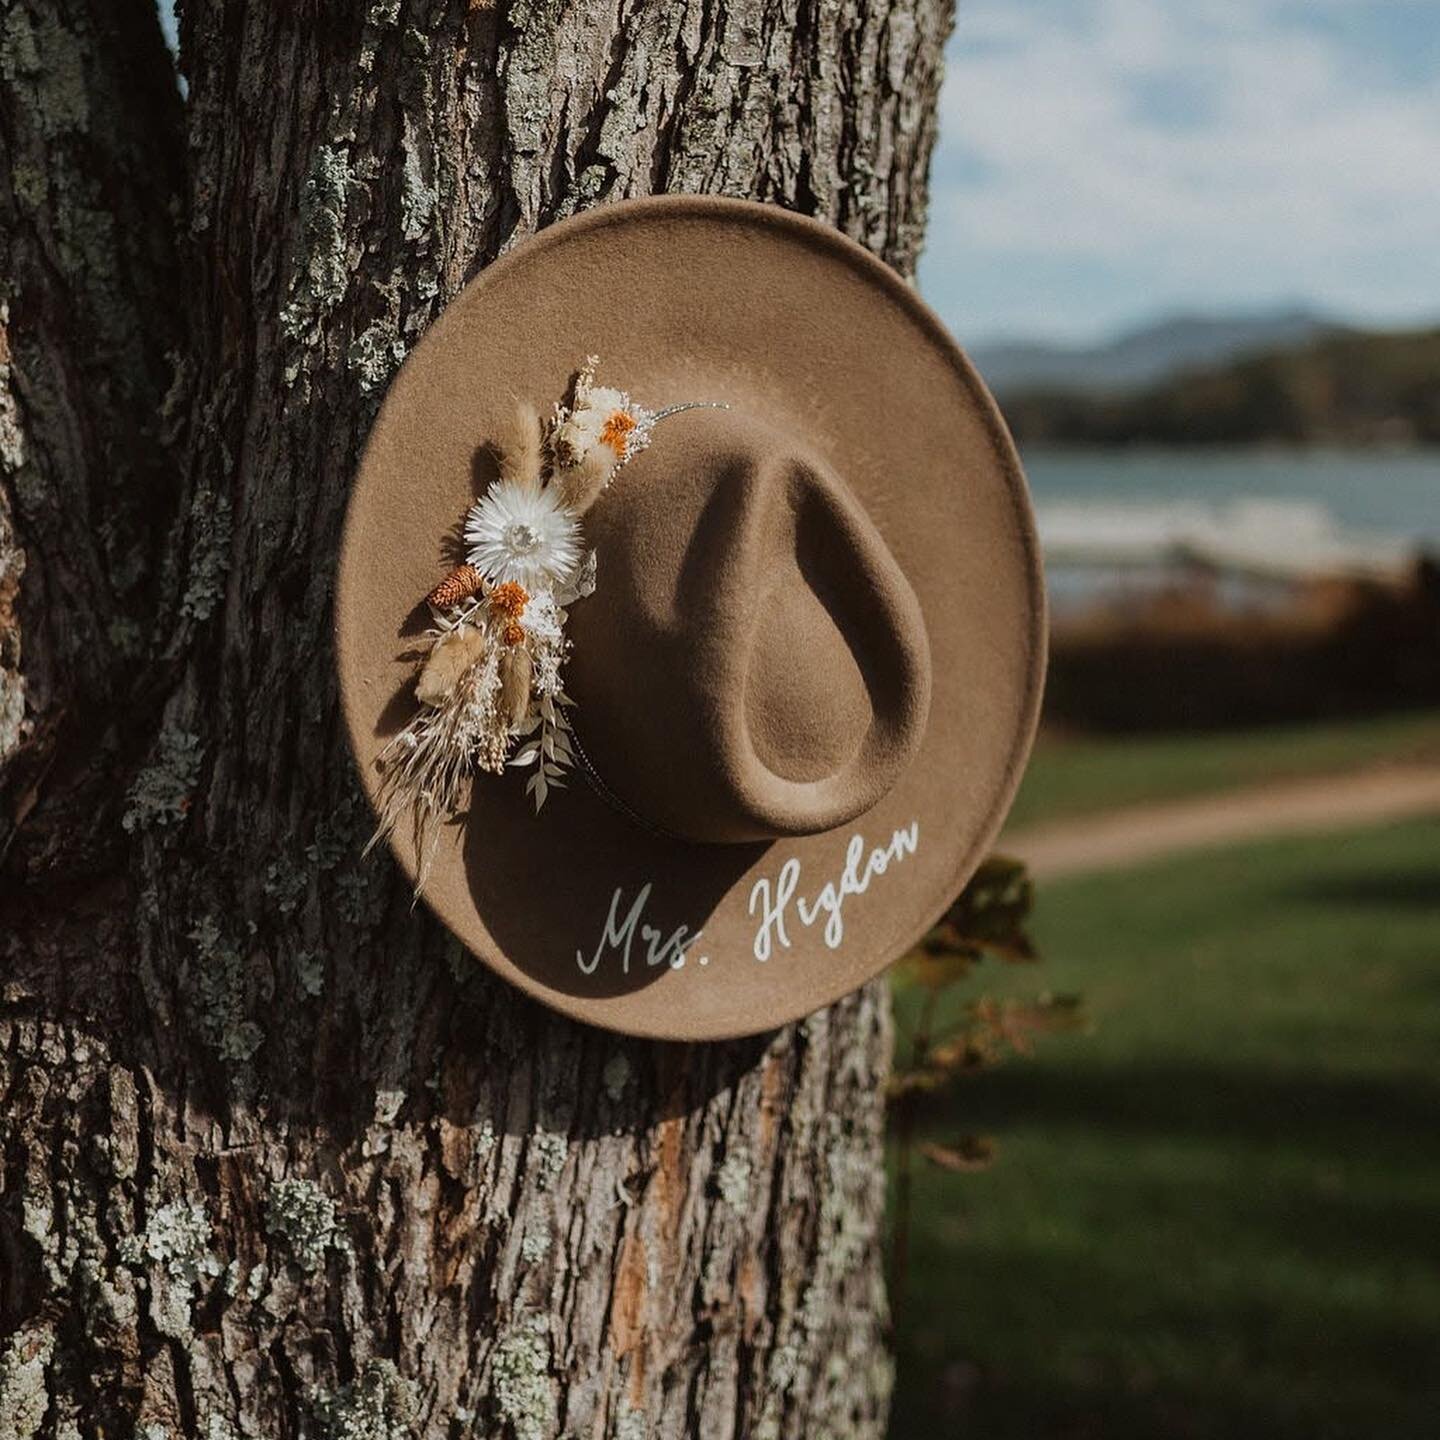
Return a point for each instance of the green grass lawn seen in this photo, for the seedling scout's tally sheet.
(1217, 1215)
(1079, 776)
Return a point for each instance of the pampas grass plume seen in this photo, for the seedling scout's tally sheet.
(451, 656)
(579, 485)
(515, 673)
(517, 445)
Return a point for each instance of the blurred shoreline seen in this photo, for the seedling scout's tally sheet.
(1224, 588)
(1391, 492)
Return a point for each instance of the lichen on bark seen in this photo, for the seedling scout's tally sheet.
(278, 1156)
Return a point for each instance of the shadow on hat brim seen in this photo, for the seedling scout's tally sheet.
(698, 298)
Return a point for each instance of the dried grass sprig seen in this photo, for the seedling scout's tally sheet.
(427, 768)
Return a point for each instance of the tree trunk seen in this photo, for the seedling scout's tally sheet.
(276, 1156)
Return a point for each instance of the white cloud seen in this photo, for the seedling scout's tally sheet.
(1212, 152)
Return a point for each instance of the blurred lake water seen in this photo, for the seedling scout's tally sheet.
(1389, 493)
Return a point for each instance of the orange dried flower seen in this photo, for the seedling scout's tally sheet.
(513, 633)
(616, 433)
(509, 599)
(460, 584)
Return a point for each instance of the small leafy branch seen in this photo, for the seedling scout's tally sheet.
(549, 751)
(989, 918)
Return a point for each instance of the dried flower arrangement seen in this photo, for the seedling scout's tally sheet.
(490, 682)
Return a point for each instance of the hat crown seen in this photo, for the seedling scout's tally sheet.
(760, 665)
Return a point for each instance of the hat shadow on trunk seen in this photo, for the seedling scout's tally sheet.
(597, 929)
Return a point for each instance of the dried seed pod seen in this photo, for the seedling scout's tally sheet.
(517, 445)
(579, 485)
(515, 674)
(616, 431)
(567, 443)
(509, 599)
(460, 584)
(450, 657)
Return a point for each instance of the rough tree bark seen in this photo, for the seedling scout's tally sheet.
(275, 1156)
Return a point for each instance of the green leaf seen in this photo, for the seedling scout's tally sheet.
(989, 915)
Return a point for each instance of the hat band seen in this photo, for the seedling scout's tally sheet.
(592, 776)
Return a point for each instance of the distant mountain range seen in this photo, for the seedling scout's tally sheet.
(1340, 387)
(1147, 355)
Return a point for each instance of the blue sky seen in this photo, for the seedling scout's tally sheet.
(1104, 161)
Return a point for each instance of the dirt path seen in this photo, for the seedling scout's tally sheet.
(1132, 836)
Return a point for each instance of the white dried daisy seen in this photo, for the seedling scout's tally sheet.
(521, 532)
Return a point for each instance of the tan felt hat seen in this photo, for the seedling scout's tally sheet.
(805, 655)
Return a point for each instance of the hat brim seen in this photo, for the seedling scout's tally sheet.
(688, 298)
